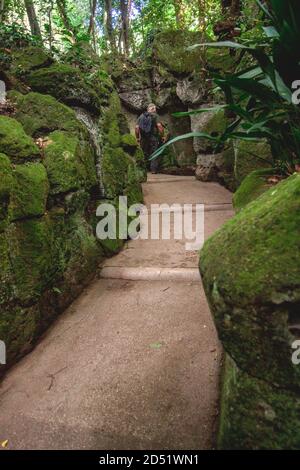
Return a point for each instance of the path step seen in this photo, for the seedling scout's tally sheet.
(150, 274)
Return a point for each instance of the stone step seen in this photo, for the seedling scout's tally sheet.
(150, 274)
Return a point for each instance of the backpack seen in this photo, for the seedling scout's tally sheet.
(146, 123)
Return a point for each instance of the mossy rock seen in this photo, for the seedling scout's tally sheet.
(251, 156)
(115, 164)
(14, 142)
(18, 329)
(139, 158)
(30, 58)
(220, 60)
(215, 126)
(76, 202)
(133, 78)
(226, 173)
(6, 182)
(83, 253)
(6, 274)
(69, 162)
(212, 123)
(33, 257)
(170, 49)
(103, 85)
(253, 186)
(129, 143)
(30, 191)
(256, 415)
(41, 114)
(251, 275)
(66, 84)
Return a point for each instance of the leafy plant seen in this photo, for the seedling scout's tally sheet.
(260, 96)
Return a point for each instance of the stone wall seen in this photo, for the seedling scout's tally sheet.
(56, 165)
(175, 79)
(251, 274)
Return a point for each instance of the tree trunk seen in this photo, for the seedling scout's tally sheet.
(225, 29)
(109, 24)
(125, 6)
(92, 29)
(201, 13)
(179, 12)
(231, 7)
(32, 18)
(2, 6)
(62, 8)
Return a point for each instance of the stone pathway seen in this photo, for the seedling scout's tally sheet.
(134, 362)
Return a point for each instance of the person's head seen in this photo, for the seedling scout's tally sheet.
(151, 108)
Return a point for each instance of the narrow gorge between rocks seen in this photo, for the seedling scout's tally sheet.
(138, 343)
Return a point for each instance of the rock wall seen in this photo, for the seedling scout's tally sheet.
(175, 79)
(56, 165)
(251, 274)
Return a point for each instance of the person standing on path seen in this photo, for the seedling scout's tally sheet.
(150, 133)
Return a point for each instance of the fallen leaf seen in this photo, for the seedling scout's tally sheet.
(155, 345)
(4, 444)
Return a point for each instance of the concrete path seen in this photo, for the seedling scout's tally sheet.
(134, 362)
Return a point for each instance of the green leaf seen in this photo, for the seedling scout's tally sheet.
(199, 111)
(271, 32)
(230, 44)
(204, 135)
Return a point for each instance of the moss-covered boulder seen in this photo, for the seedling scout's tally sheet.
(170, 49)
(69, 163)
(66, 84)
(129, 143)
(41, 114)
(115, 164)
(129, 78)
(251, 274)
(80, 256)
(33, 257)
(210, 122)
(251, 156)
(256, 415)
(6, 180)
(19, 327)
(220, 60)
(6, 274)
(29, 192)
(253, 186)
(14, 142)
(30, 58)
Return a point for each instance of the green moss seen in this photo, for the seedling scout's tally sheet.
(251, 275)
(42, 114)
(253, 186)
(67, 84)
(29, 58)
(32, 256)
(14, 142)
(69, 163)
(18, 328)
(83, 252)
(170, 49)
(220, 60)
(215, 125)
(30, 191)
(129, 143)
(6, 275)
(255, 415)
(6, 178)
(115, 163)
(227, 170)
(251, 156)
